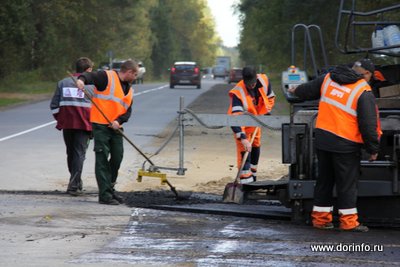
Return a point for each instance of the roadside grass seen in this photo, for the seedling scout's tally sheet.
(10, 101)
(24, 87)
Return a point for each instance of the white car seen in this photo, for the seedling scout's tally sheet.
(141, 72)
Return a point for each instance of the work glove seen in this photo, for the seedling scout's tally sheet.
(246, 144)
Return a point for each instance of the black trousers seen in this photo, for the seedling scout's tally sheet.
(342, 170)
(252, 158)
(76, 142)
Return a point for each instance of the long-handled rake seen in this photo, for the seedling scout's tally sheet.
(153, 171)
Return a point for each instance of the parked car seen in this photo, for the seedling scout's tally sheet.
(185, 73)
(219, 71)
(235, 75)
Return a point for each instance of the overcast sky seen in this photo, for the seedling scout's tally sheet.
(227, 23)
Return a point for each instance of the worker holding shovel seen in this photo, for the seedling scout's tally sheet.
(252, 95)
(112, 101)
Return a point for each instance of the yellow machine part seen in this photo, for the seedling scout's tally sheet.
(162, 176)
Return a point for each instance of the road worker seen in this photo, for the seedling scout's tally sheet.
(71, 109)
(375, 78)
(347, 120)
(113, 96)
(254, 95)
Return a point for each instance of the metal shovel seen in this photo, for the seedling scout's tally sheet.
(233, 192)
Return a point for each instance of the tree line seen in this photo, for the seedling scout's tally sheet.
(267, 26)
(47, 36)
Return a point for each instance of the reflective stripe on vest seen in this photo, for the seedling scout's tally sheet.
(265, 85)
(111, 96)
(112, 101)
(348, 107)
(338, 108)
(75, 104)
(239, 91)
(243, 98)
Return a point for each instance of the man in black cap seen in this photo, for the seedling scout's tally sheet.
(253, 95)
(365, 67)
(347, 120)
(374, 78)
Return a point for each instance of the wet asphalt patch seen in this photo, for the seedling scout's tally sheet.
(146, 199)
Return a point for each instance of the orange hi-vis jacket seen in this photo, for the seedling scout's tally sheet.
(112, 101)
(338, 109)
(265, 104)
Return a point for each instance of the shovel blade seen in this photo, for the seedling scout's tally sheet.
(233, 193)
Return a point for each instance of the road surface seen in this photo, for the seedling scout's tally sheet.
(33, 153)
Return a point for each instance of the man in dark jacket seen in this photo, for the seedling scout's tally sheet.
(347, 120)
(71, 109)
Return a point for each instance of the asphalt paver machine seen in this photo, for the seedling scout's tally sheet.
(378, 186)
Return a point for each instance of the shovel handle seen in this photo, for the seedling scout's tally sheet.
(246, 154)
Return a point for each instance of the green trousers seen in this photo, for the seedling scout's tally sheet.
(109, 150)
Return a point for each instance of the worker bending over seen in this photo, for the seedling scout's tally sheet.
(253, 94)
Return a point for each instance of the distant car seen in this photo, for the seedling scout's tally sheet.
(116, 65)
(185, 73)
(219, 72)
(207, 73)
(141, 72)
(103, 66)
(235, 75)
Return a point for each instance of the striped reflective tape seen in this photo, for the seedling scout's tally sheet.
(322, 209)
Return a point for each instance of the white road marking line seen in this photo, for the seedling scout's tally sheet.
(27, 131)
(52, 122)
(150, 90)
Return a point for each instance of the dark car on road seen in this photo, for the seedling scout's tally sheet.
(235, 75)
(185, 73)
(219, 72)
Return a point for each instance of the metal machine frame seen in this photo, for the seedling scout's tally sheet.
(378, 186)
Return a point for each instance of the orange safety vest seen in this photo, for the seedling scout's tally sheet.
(338, 109)
(112, 101)
(265, 103)
(241, 92)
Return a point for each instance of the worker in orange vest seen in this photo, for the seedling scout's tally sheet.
(114, 96)
(347, 120)
(254, 95)
(374, 78)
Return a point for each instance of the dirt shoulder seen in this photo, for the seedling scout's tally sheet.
(210, 155)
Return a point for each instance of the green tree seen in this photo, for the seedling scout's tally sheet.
(267, 25)
(183, 30)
